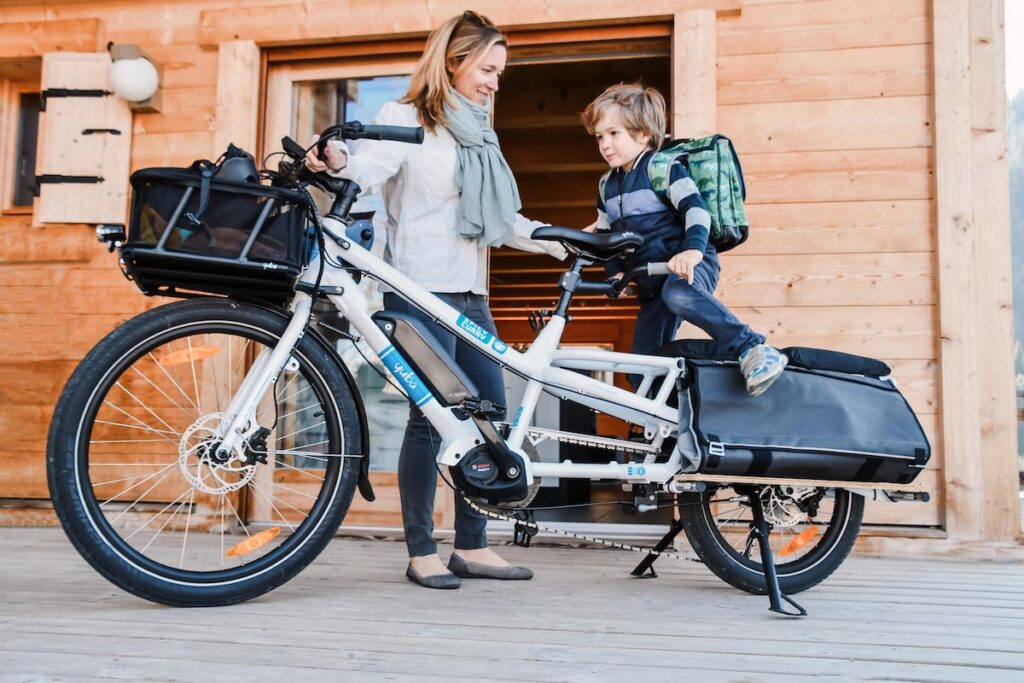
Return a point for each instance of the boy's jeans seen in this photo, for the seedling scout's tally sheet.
(417, 469)
(680, 302)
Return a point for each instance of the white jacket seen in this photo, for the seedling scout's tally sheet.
(417, 183)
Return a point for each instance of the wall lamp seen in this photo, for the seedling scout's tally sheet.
(135, 76)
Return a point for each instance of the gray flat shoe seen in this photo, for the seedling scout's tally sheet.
(474, 570)
(444, 581)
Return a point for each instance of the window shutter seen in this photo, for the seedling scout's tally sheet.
(82, 137)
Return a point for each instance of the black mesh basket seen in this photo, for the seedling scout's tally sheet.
(189, 233)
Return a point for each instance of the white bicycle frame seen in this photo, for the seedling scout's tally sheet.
(545, 366)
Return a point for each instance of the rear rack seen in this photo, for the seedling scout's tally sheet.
(916, 492)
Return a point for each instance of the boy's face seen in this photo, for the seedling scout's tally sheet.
(616, 144)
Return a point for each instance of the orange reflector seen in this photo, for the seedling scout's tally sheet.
(253, 542)
(188, 355)
(800, 541)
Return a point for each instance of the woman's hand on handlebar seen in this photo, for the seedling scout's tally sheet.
(335, 157)
(684, 264)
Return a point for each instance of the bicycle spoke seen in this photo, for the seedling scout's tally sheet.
(299, 469)
(188, 522)
(128, 426)
(192, 365)
(141, 423)
(300, 431)
(144, 406)
(270, 499)
(165, 468)
(155, 516)
(175, 383)
(190, 417)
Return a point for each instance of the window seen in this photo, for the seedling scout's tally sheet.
(25, 155)
(19, 126)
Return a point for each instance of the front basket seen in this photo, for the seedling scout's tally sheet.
(188, 234)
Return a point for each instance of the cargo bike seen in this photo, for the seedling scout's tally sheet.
(206, 451)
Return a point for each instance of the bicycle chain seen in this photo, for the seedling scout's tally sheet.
(563, 437)
(488, 512)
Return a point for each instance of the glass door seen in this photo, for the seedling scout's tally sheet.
(301, 100)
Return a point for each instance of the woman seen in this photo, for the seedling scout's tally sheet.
(447, 201)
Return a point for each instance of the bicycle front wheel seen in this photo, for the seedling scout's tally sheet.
(133, 467)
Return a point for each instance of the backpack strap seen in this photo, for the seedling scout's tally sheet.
(659, 171)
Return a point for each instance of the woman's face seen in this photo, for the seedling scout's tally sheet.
(481, 81)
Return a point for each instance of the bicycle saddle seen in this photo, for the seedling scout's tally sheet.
(600, 246)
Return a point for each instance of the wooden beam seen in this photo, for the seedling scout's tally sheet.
(694, 80)
(326, 22)
(238, 89)
(958, 343)
(35, 38)
(1000, 503)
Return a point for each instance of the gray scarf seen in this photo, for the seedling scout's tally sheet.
(490, 197)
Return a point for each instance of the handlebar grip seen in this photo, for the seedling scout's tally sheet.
(410, 134)
(658, 269)
(292, 148)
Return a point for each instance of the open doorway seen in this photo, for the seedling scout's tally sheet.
(558, 167)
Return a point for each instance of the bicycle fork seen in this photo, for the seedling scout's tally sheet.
(264, 372)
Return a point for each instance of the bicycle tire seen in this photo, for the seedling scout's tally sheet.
(744, 570)
(106, 370)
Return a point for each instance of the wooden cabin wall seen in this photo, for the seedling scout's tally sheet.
(60, 291)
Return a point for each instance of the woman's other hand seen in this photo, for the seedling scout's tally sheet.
(335, 157)
(591, 228)
(685, 263)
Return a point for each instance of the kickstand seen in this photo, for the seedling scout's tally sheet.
(771, 578)
(645, 570)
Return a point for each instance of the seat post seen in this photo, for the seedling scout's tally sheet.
(568, 285)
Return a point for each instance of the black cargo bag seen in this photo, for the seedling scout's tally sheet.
(811, 424)
(190, 231)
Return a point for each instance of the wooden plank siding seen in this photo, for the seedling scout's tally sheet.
(832, 106)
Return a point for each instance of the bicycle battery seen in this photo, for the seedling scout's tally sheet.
(432, 363)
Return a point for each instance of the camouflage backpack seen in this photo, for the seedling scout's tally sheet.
(715, 168)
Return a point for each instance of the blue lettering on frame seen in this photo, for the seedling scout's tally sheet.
(519, 414)
(400, 368)
(481, 334)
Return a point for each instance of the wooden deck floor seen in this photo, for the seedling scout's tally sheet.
(353, 616)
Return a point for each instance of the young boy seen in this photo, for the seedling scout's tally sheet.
(629, 124)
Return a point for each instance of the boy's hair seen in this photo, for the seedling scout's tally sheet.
(642, 111)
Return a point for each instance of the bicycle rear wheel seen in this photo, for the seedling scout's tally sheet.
(132, 459)
(812, 531)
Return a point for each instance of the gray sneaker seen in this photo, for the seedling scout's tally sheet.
(761, 365)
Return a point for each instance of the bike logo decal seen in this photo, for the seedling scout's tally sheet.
(481, 334)
(400, 368)
(636, 472)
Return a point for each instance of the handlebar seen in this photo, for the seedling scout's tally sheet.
(354, 130)
(295, 170)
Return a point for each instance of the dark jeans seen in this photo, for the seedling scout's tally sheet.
(680, 302)
(417, 469)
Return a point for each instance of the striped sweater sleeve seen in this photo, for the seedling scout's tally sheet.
(685, 197)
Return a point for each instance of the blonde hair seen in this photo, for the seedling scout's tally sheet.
(642, 111)
(460, 44)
